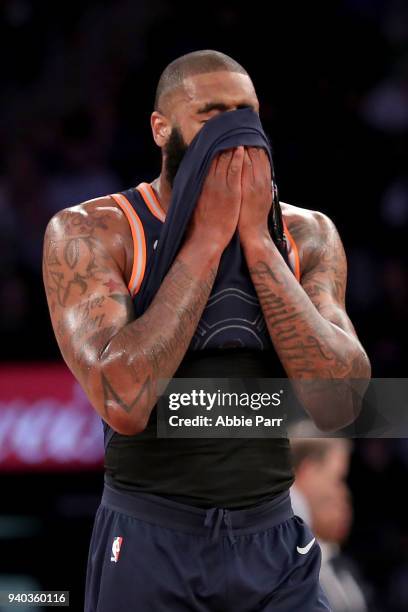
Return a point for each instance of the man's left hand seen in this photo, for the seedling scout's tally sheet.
(257, 197)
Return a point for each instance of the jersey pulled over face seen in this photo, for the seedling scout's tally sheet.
(202, 97)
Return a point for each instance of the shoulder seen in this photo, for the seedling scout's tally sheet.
(99, 220)
(305, 223)
(97, 214)
(313, 232)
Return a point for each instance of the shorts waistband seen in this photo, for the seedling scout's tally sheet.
(190, 519)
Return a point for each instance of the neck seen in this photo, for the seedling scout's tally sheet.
(163, 190)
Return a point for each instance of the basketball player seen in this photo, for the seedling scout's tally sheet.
(203, 525)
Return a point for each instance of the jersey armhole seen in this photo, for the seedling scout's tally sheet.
(139, 242)
(149, 197)
(293, 252)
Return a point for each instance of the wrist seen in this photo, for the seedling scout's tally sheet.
(201, 254)
(256, 242)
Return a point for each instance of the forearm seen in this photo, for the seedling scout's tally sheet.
(309, 346)
(151, 347)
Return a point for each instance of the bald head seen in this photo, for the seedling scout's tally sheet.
(191, 64)
(192, 90)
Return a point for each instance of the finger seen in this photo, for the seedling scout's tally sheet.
(266, 165)
(213, 166)
(253, 158)
(256, 163)
(247, 167)
(235, 167)
(223, 161)
(261, 165)
(265, 159)
(223, 155)
(236, 160)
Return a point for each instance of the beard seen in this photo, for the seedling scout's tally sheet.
(174, 150)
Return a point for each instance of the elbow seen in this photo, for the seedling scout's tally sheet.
(333, 424)
(361, 369)
(367, 373)
(127, 423)
(343, 412)
(335, 403)
(121, 422)
(346, 396)
(124, 407)
(126, 426)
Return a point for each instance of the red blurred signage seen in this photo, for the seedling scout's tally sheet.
(46, 421)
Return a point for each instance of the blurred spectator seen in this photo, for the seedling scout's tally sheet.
(322, 498)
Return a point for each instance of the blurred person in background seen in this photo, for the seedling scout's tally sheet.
(321, 497)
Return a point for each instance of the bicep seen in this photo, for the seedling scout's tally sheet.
(87, 295)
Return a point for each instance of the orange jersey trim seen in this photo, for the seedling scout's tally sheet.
(139, 243)
(151, 201)
(293, 251)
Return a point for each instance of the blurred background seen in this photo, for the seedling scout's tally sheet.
(77, 89)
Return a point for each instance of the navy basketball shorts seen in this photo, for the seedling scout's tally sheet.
(150, 554)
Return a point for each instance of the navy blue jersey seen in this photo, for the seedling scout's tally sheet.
(233, 316)
(231, 340)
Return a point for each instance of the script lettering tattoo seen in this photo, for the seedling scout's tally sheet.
(307, 323)
(87, 326)
(309, 327)
(287, 318)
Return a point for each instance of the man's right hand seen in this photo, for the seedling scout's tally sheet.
(216, 215)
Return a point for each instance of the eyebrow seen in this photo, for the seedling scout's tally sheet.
(210, 106)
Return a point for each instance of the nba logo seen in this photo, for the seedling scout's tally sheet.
(117, 543)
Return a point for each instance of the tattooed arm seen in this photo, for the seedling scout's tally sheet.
(307, 322)
(87, 262)
(115, 358)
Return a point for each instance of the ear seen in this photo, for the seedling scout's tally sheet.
(161, 128)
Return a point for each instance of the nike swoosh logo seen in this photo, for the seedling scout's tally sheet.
(305, 549)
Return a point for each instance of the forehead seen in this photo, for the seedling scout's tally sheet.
(225, 87)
